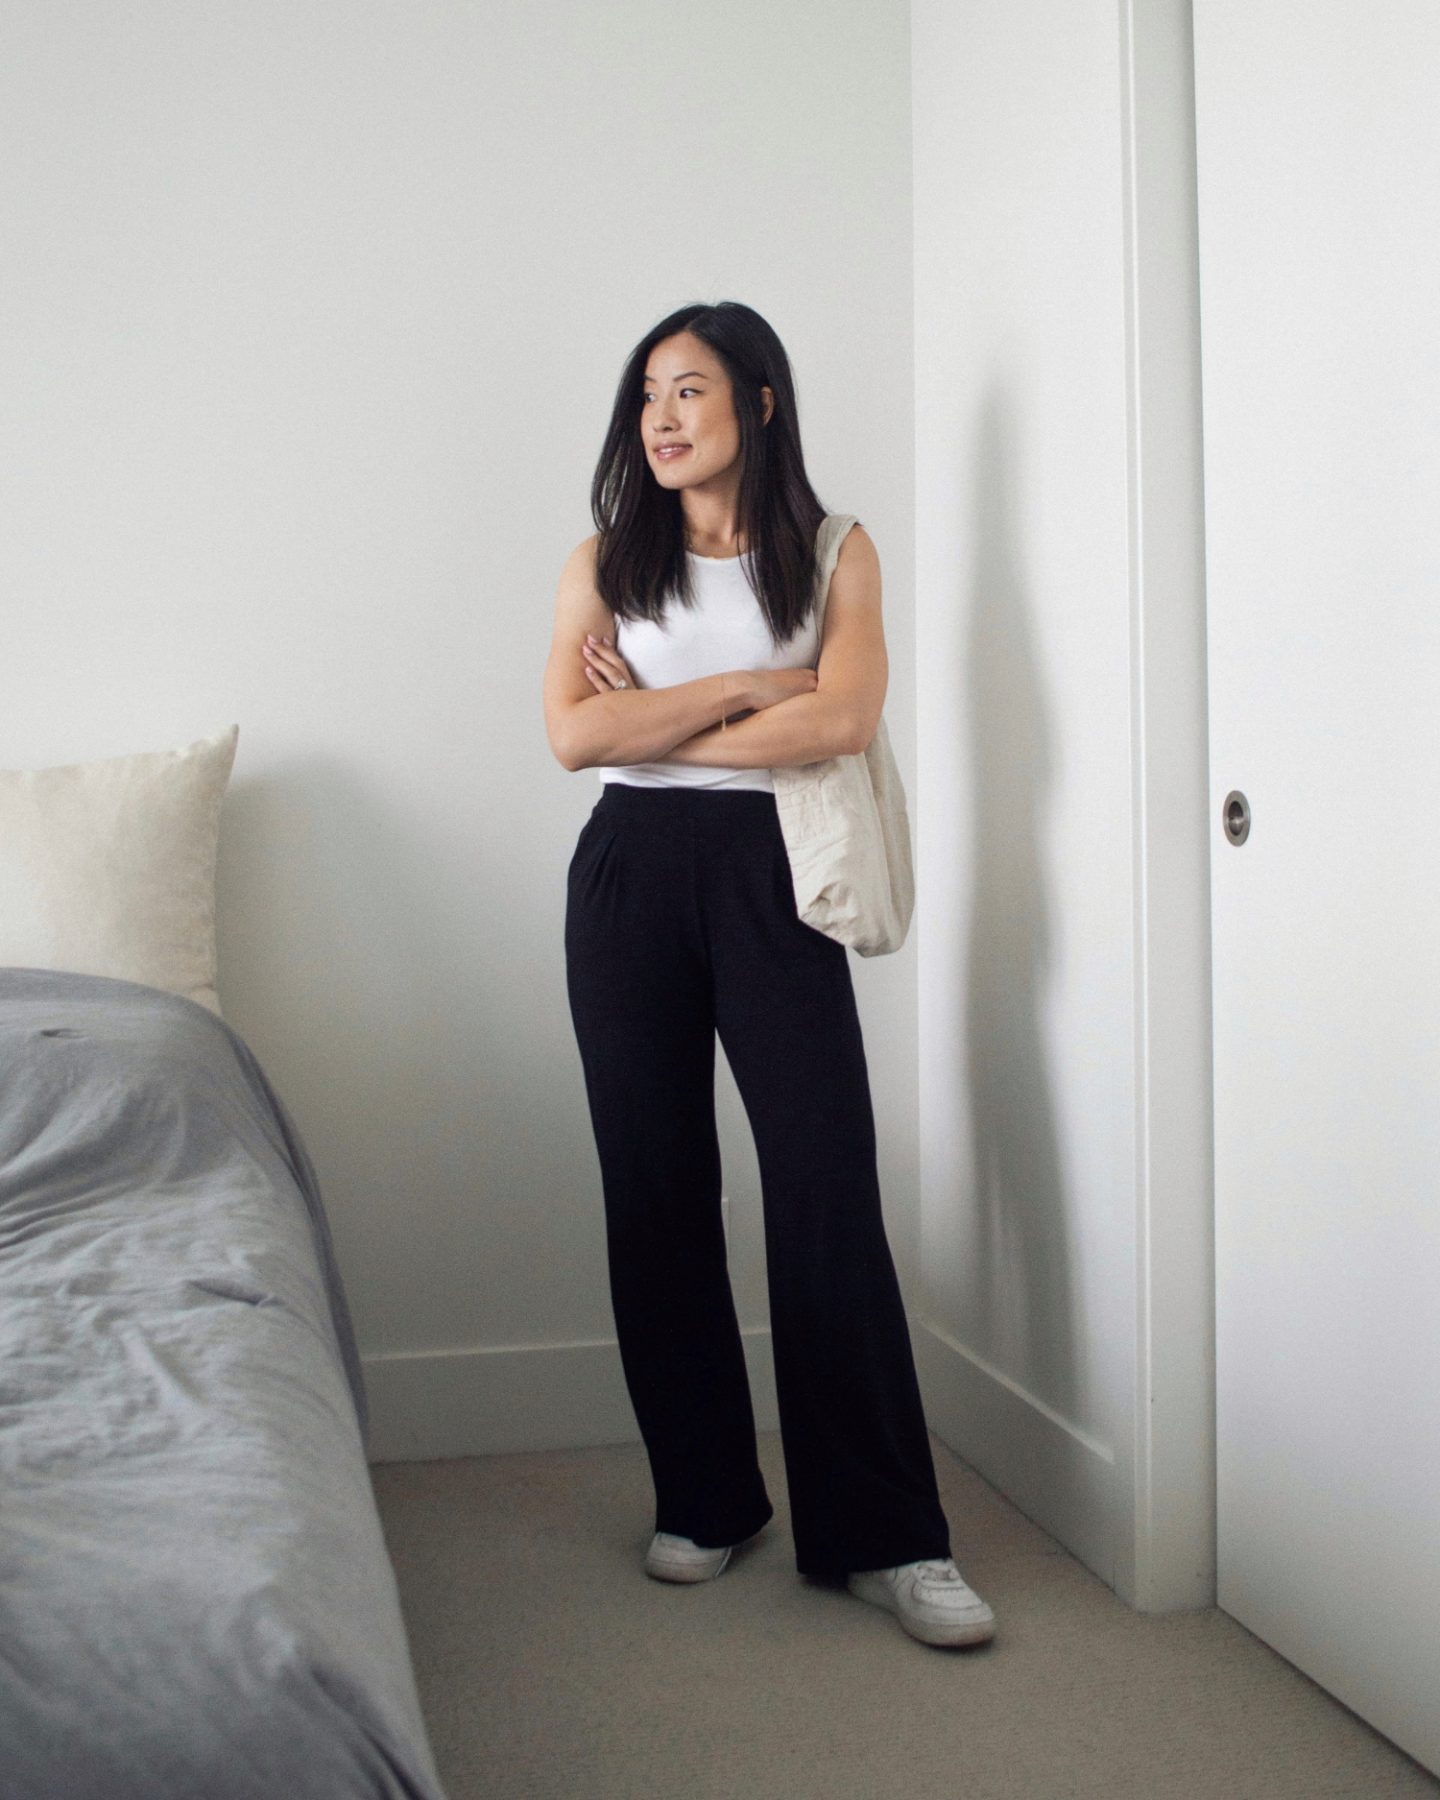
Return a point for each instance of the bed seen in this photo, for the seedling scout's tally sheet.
(196, 1600)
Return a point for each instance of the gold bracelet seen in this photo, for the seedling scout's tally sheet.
(722, 703)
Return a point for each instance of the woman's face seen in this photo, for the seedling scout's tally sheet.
(688, 402)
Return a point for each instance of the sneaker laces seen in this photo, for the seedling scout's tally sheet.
(938, 1571)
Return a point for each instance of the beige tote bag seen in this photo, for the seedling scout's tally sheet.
(845, 822)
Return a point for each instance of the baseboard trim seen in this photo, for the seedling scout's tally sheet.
(1057, 1475)
(433, 1404)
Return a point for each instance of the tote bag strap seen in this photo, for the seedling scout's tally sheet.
(828, 540)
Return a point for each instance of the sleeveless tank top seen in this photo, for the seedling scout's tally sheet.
(724, 630)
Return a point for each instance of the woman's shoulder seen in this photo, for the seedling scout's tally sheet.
(857, 545)
(581, 563)
(579, 603)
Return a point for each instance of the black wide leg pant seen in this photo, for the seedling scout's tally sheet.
(681, 922)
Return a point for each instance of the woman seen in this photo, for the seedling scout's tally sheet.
(685, 664)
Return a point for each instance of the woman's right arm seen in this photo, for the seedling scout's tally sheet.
(629, 725)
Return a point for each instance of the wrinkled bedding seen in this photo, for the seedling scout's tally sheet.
(196, 1601)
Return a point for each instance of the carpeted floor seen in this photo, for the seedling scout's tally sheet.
(551, 1667)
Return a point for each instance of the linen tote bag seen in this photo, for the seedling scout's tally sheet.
(844, 819)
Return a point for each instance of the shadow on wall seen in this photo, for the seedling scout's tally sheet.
(1021, 1282)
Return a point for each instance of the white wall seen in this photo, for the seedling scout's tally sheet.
(1065, 1337)
(312, 320)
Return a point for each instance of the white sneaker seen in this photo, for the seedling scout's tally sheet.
(930, 1599)
(673, 1558)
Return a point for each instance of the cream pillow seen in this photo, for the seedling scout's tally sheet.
(108, 868)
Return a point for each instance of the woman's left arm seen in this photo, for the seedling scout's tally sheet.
(852, 675)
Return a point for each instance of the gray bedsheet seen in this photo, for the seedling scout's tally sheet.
(196, 1601)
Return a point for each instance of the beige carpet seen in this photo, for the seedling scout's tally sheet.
(551, 1667)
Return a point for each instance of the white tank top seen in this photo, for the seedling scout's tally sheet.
(725, 629)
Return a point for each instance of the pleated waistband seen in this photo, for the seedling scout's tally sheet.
(731, 810)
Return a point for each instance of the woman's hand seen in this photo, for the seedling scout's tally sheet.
(605, 666)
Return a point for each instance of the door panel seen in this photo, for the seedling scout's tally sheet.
(1318, 139)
